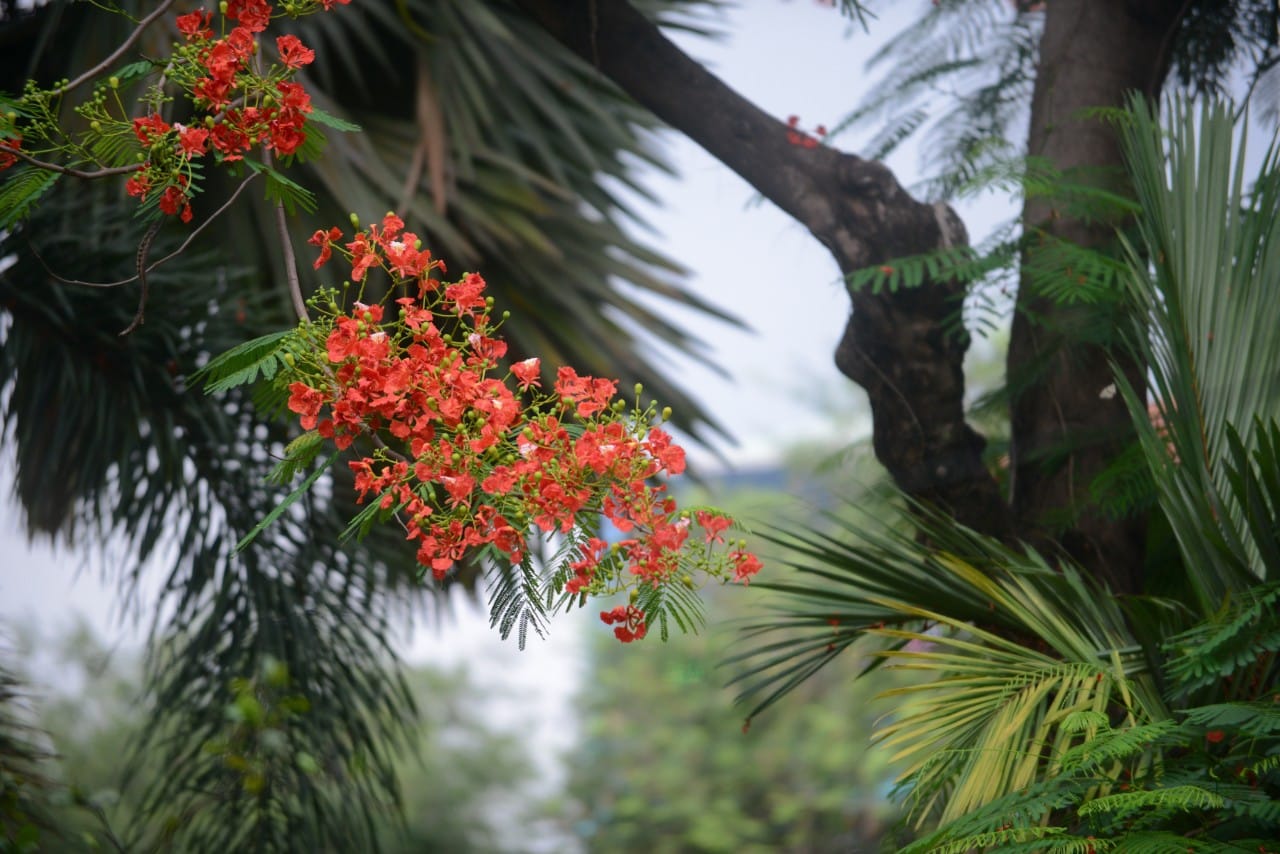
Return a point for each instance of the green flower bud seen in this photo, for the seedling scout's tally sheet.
(506, 315)
(113, 82)
(290, 360)
(355, 220)
(634, 594)
(666, 413)
(222, 8)
(639, 388)
(95, 125)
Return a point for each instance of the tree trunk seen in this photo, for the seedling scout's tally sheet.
(1066, 430)
(1068, 425)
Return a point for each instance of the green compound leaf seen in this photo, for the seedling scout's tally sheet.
(286, 504)
(243, 363)
(21, 191)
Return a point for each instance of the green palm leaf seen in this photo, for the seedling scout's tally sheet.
(1209, 315)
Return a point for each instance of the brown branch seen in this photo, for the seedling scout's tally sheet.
(290, 260)
(144, 249)
(895, 345)
(174, 254)
(66, 170)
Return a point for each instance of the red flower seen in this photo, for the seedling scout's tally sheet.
(631, 619)
(138, 185)
(195, 25)
(745, 565)
(150, 128)
(714, 524)
(293, 53)
(242, 43)
(8, 158)
(286, 133)
(323, 239)
(1214, 736)
(194, 141)
(294, 97)
(362, 257)
(666, 452)
(305, 401)
(223, 62)
(255, 15)
(215, 92)
(466, 294)
(528, 372)
(174, 199)
(230, 141)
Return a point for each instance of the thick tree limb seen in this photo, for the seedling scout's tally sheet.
(894, 345)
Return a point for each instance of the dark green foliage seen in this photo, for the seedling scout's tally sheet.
(25, 787)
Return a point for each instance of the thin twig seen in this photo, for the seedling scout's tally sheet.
(290, 265)
(66, 170)
(118, 52)
(175, 253)
(290, 260)
(144, 249)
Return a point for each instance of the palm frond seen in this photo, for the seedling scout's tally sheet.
(1206, 281)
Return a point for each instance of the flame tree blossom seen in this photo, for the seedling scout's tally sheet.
(474, 459)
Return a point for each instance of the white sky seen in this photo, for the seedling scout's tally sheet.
(788, 57)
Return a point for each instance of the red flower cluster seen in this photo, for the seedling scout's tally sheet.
(472, 458)
(795, 136)
(245, 107)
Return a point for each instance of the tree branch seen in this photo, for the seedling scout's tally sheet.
(66, 170)
(895, 345)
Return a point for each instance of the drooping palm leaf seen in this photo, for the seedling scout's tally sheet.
(1014, 645)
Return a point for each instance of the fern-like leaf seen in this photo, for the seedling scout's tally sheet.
(21, 191)
(243, 363)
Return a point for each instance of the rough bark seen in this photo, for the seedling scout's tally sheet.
(893, 345)
(1065, 430)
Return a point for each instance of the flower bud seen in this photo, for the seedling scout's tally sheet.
(95, 125)
(635, 594)
(639, 388)
(506, 315)
(113, 82)
(666, 413)
(290, 360)
(222, 8)
(355, 220)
